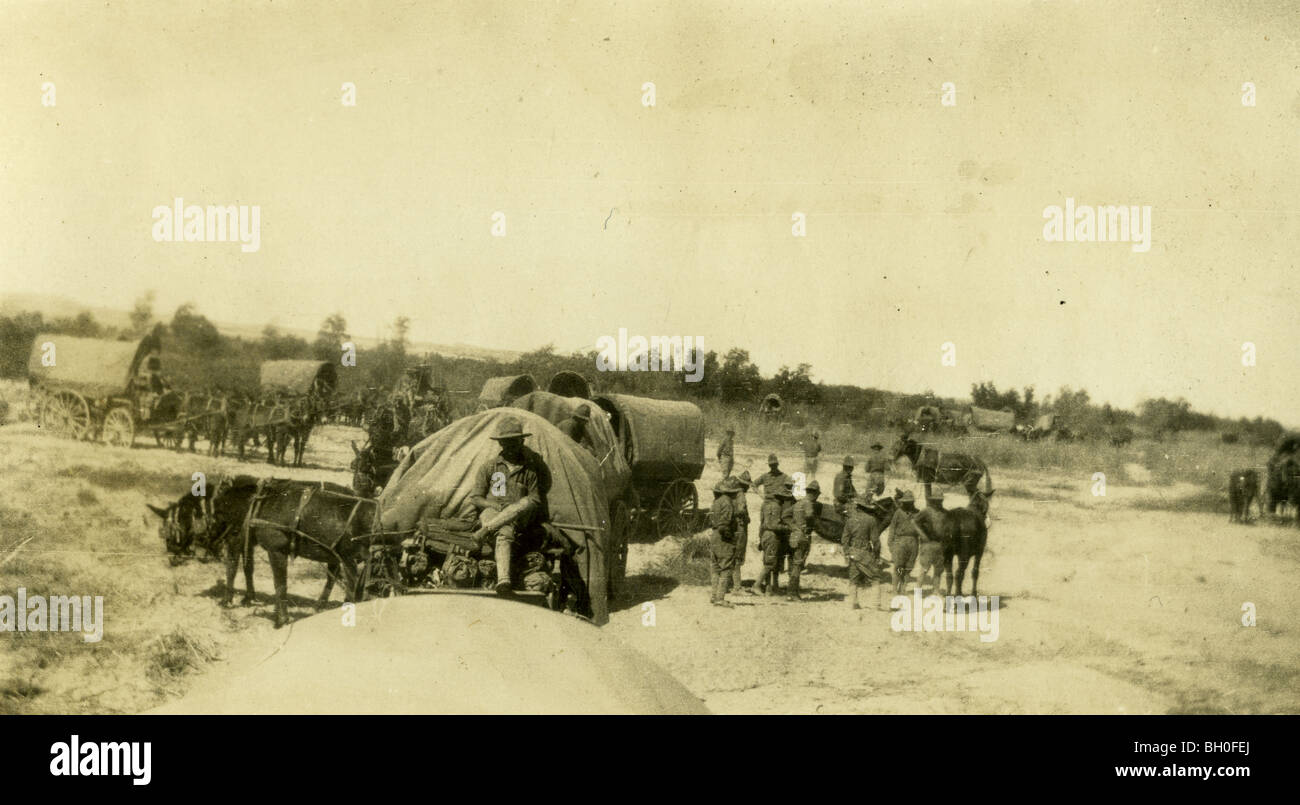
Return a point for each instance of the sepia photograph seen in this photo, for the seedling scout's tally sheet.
(870, 357)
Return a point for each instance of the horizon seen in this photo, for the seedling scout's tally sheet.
(924, 224)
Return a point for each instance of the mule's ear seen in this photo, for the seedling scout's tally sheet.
(355, 451)
(991, 493)
(160, 512)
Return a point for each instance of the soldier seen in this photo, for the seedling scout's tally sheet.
(877, 466)
(843, 490)
(861, 542)
(722, 542)
(905, 532)
(811, 451)
(775, 525)
(773, 480)
(575, 425)
(742, 532)
(727, 453)
(806, 520)
(510, 495)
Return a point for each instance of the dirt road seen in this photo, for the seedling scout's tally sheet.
(1108, 604)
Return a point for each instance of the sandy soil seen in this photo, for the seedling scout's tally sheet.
(1107, 606)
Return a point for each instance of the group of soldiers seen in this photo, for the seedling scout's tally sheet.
(787, 524)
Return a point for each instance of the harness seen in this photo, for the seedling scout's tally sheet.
(253, 519)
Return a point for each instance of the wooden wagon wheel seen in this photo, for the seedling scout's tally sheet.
(66, 413)
(119, 428)
(620, 531)
(676, 510)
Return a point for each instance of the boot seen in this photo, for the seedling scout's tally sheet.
(792, 590)
(503, 567)
(719, 598)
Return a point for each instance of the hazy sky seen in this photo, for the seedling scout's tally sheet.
(924, 222)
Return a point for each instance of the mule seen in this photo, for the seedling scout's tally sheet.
(942, 467)
(962, 535)
(318, 521)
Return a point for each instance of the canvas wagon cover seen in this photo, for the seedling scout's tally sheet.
(599, 438)
(988, 419)
(663, 439)
(92, 367)
(296, 377)
(502, 390)
(1045, 422)
(438, 477)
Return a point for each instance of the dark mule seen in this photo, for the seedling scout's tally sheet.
(1243, 489)
(184, 523)
(317, 521)
(932, 466)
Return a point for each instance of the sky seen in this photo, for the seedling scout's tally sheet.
(924, 221)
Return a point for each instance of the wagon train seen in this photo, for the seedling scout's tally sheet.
(662, 442)
(97, 389)
(294, 396)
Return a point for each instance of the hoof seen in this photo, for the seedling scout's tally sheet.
(246, 601)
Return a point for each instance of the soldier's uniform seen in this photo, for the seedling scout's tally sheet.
(727, 453)
(805, 521)
(772, 481)
(511, 499)
(742, 528)
(775, 522)
(811, 453)
(905, 534)
(722, 540)
(575, 425)
(861, 542)
(877, 465)
(843, 490)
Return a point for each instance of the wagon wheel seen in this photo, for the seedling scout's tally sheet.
(119, 429)
(675, 512)
(66, 414)
(620, 531)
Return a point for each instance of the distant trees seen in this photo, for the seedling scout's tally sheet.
(330, 338)
(738, 377)
(193, 331)
(796, 386)
(141, 315)
(986, 395)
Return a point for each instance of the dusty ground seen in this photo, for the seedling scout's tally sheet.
(1109, 604)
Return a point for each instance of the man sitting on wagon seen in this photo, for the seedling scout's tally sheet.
(510, 495)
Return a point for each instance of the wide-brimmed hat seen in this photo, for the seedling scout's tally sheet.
(727, 486)
(731, 431)
(744, 479)
(813, 488)
(877, 446)
(907, 497)
(937, 497)
(848, 461)
(510, 428)
(582, 412)
(865, 500)
(772, 459)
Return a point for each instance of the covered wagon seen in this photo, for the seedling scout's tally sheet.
(569, 384)
(770, 405)
(499, 391)
(663, 444)
(429, 494)
(91, 388)
(299, 378)
(986, 419)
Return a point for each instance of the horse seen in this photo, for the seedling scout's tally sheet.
(318, 521)
(947, 468)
